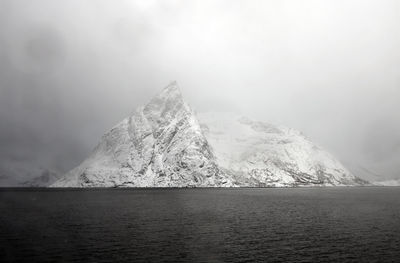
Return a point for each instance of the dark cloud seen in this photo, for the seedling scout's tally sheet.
(69, 70)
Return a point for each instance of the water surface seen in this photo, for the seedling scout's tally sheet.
(203, 225)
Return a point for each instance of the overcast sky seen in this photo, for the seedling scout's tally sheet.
(70, 70)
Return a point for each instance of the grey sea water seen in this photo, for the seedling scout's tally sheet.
(201, 225)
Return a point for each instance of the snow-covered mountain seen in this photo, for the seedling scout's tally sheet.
(269, 155)
(160, 145)
(164, 145)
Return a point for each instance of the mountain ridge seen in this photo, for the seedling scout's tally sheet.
(164, 144)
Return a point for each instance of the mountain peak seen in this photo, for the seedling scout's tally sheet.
(170, 91)
(170, 99)
(173, 85)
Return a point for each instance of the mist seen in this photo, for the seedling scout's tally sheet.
(70, 70)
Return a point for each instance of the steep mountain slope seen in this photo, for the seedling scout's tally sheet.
(160, 145)
(261, 154)
(163, 145)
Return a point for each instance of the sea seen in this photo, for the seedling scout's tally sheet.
(338, 224)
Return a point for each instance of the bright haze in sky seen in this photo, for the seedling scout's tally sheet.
(70, 70)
